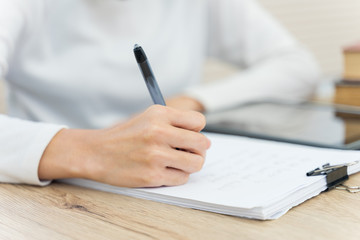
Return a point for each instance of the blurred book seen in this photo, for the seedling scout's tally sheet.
(347, 91)
(352, 62)
(352, 129)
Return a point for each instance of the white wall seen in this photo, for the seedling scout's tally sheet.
(2, 97)
(324, 26)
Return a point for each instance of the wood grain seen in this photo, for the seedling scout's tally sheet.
(62, 211)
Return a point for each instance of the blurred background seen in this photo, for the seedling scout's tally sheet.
(323, 26)
(2, 98)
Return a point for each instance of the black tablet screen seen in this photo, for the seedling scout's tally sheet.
(306, 123)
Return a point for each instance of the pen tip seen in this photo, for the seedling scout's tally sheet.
(136, 46)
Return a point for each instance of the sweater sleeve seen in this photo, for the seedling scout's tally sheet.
(22, 143)
(274, 64)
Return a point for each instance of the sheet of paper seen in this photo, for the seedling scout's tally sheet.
(254, 178)
(249, 173)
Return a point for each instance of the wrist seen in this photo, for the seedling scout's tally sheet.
(66, 155)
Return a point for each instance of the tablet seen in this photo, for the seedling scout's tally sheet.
(314, 124)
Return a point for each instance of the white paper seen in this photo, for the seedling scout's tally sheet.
(260, 178)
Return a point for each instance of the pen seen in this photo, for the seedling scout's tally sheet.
(148, 75)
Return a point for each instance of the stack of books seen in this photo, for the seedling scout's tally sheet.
(348, 89)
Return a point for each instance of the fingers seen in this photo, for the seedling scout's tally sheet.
(175, 135)
(184, 161)
(162, 157)
(167, 166)
(190, 120)
(144, 149)
(189, 141)
(167, 177)
(175, 177)
(170, 169)
(172, 137)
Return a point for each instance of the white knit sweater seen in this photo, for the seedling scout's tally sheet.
(70, 62)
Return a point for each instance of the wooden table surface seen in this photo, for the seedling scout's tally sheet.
(61, 211)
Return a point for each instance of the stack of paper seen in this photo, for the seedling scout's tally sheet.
(247, 178)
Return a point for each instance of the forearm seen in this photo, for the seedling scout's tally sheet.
(275, 63)
(66, 155)
(291, 74)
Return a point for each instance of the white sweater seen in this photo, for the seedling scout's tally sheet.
(70, 63)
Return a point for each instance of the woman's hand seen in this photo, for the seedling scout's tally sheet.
(185, 103)
(161, 146)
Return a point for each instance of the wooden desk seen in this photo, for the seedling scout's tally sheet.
(62, 211)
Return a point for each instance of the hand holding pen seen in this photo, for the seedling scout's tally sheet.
(140, 152)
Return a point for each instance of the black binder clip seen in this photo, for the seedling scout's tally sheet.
(335, 174)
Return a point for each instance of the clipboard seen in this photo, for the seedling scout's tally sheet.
(335, 175)
(250, 178)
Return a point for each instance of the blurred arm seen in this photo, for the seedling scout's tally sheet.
(275, 64)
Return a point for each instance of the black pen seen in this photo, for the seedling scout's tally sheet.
(148, 75)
